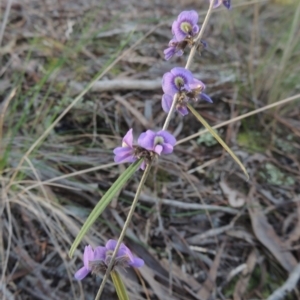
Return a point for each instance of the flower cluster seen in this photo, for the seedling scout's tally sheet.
(149, 144)
(184, 30)
(181, 81)
(98, 260)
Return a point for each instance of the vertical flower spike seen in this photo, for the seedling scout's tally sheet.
(161, 142)
(186, 25)
(226, 3)
(88, 256)
(126, 152)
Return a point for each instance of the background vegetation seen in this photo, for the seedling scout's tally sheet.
(203, 232)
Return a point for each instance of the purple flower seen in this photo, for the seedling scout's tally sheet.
(166, 104)
(186, 25)
(98, 260)
(173, 49)
(88, 256)
(177, 80)
(126, 152)
(124, 257)
(161, 142)
(226, 3)
(181, 81)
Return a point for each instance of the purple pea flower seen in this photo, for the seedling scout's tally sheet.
(181, 81)
(88, 256)
(177, 80)
(124, 257)
(173, 49)
(126, 152)
(166, 104)
(186, 25)
(226, 3)
(98, 260)
(161, 142)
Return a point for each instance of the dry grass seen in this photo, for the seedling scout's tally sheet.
(200, 228)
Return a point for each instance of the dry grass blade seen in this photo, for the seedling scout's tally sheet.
(251, 113)
(216, 136)
(3, 109)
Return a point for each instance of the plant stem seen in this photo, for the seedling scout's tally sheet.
(200, 35)
(189, 61)
(123, 232)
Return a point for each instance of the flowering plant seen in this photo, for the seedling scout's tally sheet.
(180, 87)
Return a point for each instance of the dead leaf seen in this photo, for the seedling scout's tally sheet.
(266, 234)
(241, 286)
(295, 234)
(235, 198)
(209, 283)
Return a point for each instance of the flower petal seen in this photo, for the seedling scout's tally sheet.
(111, 245)
(87, 256)
(205, 98)
(168, 85)
(146, 140)
(167, 148)
(158, 149)
(166, 102)
(124, 154)
(137, 262)
(81, 273)
(183, 110)
(196, 84)
(100, 253)
(190, 15)
(169, 52)
(128, 138)
(168, 137)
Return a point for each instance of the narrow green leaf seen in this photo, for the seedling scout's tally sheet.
(217, 137)
(119, 285)
(104, 201)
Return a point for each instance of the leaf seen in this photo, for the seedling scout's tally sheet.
(103, 203)
(119, 285)
(210, 283)
(266, 234)
(243, 282)
(217, 137)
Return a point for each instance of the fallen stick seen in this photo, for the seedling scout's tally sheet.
(119, 84)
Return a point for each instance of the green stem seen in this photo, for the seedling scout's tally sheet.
(119, 286)
(122, 235)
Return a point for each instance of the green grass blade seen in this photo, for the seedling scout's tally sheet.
(217, 137)
(119, 285)
(102, 204)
